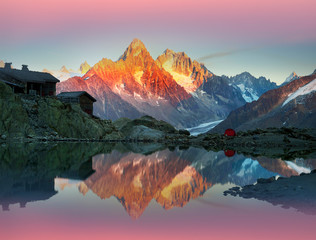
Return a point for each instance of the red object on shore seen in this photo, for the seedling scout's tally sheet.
(229, 153)
(230, 132)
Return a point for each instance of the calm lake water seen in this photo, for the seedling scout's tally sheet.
(97, 191)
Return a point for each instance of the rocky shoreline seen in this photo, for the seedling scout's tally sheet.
(26, 118)
(272, 143)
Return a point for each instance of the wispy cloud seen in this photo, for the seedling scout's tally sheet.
(223, 54)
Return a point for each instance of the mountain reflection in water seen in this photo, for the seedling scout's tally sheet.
(133, 174)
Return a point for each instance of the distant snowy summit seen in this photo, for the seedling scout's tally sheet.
(293, 76)
(63, 73)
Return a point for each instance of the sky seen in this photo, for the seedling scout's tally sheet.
(270, 38)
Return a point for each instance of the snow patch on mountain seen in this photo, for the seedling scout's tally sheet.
(137, 52)
(308, 88)
(184, 81)
(138, 75)
(248, 93)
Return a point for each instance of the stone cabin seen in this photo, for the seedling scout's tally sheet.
(28, 82)
(84, 99)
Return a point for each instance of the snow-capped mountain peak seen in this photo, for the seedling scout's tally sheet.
(293, 76)
(64, 69)
(63, 73)
(135, 49)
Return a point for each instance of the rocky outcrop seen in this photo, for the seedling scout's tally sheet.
(13, 118)
(148, 129)
(37, 117)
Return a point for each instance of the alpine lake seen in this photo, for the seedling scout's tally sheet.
(149, 191)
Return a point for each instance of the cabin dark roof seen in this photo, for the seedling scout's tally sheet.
(29, 76)
(9, 80)
(75, 95)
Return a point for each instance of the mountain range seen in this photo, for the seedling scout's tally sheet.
(173, 88)
(291, 105)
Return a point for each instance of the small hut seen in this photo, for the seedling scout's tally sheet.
(84, 99)
(230, 132)
(28, 82)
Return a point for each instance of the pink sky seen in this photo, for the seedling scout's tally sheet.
(199, 27)
(292, 20)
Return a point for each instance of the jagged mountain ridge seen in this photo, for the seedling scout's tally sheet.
(137, 73)
(271, 109)
(251, 88)
(187, 73)
(173, 88)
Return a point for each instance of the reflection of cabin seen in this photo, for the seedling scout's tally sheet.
(19, 186)
(83, 98)
(23, 191)
(79, 173)
(29, 82)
